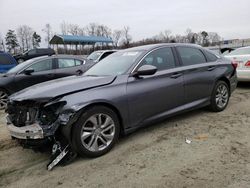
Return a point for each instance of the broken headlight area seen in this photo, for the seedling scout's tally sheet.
(49, 113)
(37, 125)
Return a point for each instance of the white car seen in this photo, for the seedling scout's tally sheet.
(241, 56)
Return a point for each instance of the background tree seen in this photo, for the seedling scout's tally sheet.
(2, 46)
(127, 36)
(204, 35)
(48, 33)
(24, 34)
(116, 36)
(36, 39)
(11, 41)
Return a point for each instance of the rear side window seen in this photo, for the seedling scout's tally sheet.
(5, 60)
(105, 55)
(65, 63)
(43, 65)
(191, 56)
(162, 59)
(211, 57)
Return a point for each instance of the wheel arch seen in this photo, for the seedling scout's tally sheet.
(225, 79)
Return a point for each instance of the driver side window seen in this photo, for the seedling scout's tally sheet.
(43, 65)
(162, 59)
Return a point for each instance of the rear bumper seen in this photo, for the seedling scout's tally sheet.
(243, 75)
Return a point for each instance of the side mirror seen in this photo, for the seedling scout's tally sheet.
(146, 70)
(28, 71)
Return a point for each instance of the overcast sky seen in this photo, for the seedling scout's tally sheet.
(146, 18)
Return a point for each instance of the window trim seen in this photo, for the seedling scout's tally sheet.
(179, 56)
(136, 67)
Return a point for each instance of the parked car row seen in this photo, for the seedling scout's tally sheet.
(86, 114)
(40, 69)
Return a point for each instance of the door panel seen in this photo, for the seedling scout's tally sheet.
(152, 95)
(43, 72)
(69, 67)
(199, 75)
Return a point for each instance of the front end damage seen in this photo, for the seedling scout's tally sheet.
(43, 125)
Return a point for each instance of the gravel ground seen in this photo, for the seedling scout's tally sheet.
(155, 156)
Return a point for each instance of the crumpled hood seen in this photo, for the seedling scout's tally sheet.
(59, 87)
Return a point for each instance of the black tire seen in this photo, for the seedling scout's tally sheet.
(3, 99)
(77, 142)
(214, 106)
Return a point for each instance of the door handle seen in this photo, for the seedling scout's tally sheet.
(211, 68)
(176, 75)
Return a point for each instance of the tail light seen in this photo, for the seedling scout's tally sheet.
(247, 64)
(234, 64)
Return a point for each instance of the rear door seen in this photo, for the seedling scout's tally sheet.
(68, 67)
(150, 96)
(199, 74)
(43, 71)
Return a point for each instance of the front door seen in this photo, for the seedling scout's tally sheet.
(152, 96)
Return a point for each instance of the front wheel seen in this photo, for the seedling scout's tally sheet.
(96, 132)
(3, 99)
(220, 97)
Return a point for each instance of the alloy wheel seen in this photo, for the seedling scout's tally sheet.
(221, 97)
(3, 99)
(98, 132)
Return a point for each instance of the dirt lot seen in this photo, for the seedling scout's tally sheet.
(156, 156)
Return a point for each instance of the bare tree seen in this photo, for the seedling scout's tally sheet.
(214, 38)
(92, 28)
(48, 32)
(73, 29)
(64, 28)
(2, 47)
(164, 36)
(127, 36)
(24, 34)
(116, 36)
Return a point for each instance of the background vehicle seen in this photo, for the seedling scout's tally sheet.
(97, 56)
(6, 62)
(241, 57)
(39, 70)
(34, 53)
(143, 85)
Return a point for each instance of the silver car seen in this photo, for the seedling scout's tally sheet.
(241, 56)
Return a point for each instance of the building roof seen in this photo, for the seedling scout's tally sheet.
(76, 39)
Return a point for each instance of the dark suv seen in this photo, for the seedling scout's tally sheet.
(6, 62)
(34, 53)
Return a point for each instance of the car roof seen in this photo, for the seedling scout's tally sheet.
(57, 56)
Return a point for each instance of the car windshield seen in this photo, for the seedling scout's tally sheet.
(115, 64)
(20, 66)
(240, 51)
(94, 55)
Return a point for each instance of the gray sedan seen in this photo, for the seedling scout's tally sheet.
(121, 93)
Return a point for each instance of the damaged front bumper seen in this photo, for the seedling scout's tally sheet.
(33, 131)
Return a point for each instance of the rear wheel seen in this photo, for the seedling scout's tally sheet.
(220, 96)
(3, 99)
(96, 131)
